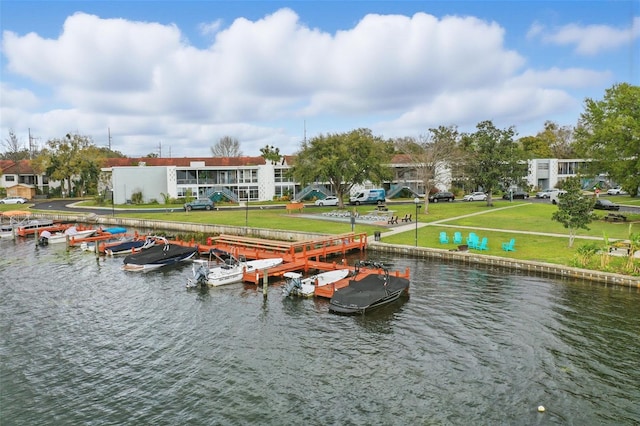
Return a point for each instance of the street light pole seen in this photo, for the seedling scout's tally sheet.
(416, 201)
(246, 213)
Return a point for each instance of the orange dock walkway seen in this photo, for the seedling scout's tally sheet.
(257, 248)
(297, 256)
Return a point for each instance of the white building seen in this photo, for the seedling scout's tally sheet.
(546, 173)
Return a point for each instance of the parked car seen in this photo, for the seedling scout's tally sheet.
(516, 194)
(475, 196)
(616, 191)
(605, 205)
(327, 201)
(441, 196)
(547, 193)
(199, 204)
(14, 200)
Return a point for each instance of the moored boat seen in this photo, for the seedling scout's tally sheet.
(131, 245)
(20, 219)
(47, 237)
(223, 268)
(305, 287)
(158, 256)
(370, 288)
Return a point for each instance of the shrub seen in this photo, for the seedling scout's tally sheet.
(136, 197)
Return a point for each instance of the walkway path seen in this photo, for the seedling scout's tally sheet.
(441, 222)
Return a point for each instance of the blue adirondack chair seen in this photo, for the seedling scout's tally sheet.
(473, 240)
(483, 244)
(444, 239)
(510, 246)
(457, 238)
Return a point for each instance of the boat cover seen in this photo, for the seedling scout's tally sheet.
(160, 254)
(368, 292)
(128, 245)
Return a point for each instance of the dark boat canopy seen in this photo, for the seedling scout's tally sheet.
(368, 290)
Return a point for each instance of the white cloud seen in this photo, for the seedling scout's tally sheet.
(210, 28)
(392, 73)
(590, 39)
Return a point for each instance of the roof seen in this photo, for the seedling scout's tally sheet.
(186, 161)
(21, 167)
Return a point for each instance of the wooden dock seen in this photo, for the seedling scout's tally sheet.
(317, 249)
(297, 255)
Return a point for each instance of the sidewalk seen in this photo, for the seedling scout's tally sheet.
(441, 222)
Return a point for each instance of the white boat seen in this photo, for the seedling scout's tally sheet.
(47, 237)
(226, 269)
(20, 219)
(305, 287)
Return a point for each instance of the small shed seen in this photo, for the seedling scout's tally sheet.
(22, 190)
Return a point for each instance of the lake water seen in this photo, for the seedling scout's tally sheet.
(84, 342)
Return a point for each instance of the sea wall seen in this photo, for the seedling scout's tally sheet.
(529, 266)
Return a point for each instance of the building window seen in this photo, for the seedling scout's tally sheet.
(248, 176)
(9, 178)
(568, 168)
(186, 177)
(185, 191)
(285, 191)
(280, 175)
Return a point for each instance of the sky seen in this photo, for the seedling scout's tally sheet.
(172, 78)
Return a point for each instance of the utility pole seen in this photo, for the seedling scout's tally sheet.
(305, 131)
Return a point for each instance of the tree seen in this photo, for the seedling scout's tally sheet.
(109, 153)
(559, 139)
(343, 160)
(69, 158)
(431, 155)
(493, 160)
(13, 149)
(574, 209)
(534, 147)
(608, 134)
(269, 153)
(226, 147)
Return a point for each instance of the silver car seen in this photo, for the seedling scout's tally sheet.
(327, 201)
(547, 193)
(475, 196)
(14, 200)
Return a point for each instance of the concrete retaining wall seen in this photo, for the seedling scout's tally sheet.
(472, 258)
(468, 258)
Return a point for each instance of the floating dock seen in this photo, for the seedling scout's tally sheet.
(303, 256)
(297, 256)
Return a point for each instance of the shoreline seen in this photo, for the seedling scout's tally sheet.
(528, 266)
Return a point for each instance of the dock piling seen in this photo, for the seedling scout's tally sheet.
(265, 282)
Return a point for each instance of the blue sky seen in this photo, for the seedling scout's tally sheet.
(181, 75)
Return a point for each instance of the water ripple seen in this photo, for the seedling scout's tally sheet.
(86, 343)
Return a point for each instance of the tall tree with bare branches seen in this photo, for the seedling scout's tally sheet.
(227, 146)
(433, 155)
(13, 150)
